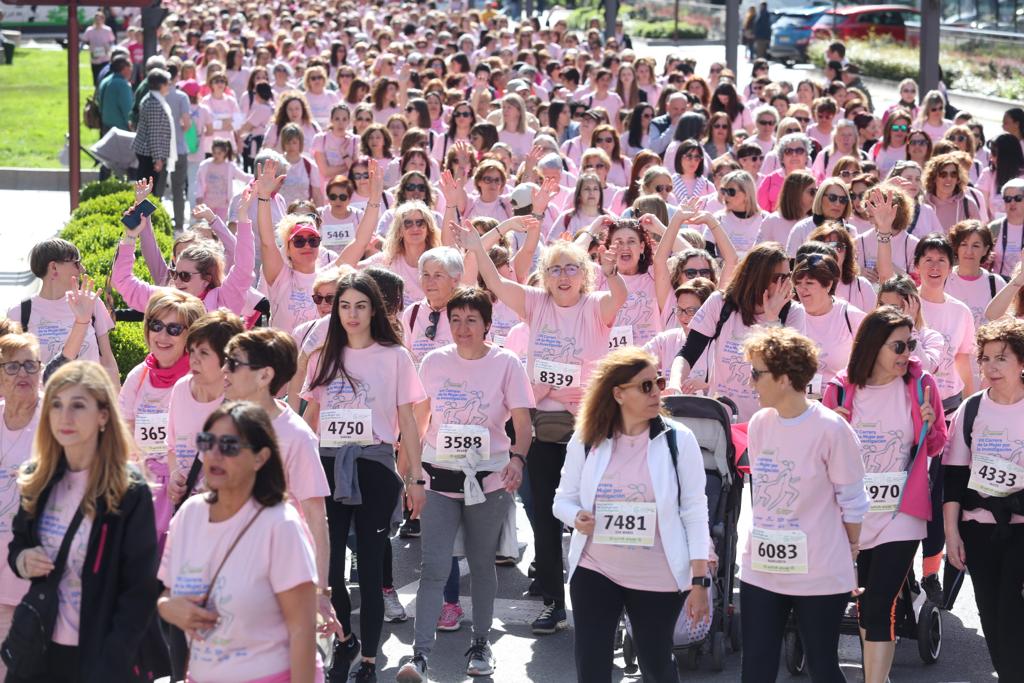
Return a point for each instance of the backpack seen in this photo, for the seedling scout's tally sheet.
(26, 315)
(91, 116)
(728, 309)
(971, 406)
(673, 451)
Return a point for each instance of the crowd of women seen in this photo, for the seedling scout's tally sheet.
(489, 248)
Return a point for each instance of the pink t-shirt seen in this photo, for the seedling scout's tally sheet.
(250, 640)
(100, 41)
(775, 228)
(337, 150)
(833, 333)
(320, 105)
(881, 418)
(665, 346)
(291, 299)
(859, 293)
(730, 371)
(185, 419)
(937, 132)
(975, 292)
(302, 180)
(953, 320)
(503, 319)
(301, 455)
(416, 339)
(565, 346)
(803, 228)
(639, 319)
(1006, 261)
(887, 158)
(742, 231)
(413, 292)
(628, 479)
(385, 379)
(146, 409)
(998, 434)
(65, 497)
(795, 465)
(215, 183)
(51, 322)
(15, 449)
(902, 246)
(818, 135)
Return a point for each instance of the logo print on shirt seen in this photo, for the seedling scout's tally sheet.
(549, 345)
(774, 484)
(459, 406)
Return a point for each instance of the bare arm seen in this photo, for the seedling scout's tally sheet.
(415, 494)
(267, 183)
(511, 293)
(354, 250)
(522, 262)
(1000, 303)
(107, 359)
(610, 305)
(298, 606)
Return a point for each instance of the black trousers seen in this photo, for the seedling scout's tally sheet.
(598, 602)
(881, 572)
(763, 622)
(62, 667)
(545, 462)
(380, 488)
(146, 170)
(997, 573)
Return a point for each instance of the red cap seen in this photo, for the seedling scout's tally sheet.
(308, 228)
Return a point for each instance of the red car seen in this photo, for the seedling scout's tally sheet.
(899, 21)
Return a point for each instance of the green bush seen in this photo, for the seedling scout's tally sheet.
(100, 188)
(96, 229)
(579, 18)
(886, 59)
(668, 30)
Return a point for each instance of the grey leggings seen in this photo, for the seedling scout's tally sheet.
(481, 526)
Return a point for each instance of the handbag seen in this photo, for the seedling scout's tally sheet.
(553, 426)
(25, 650)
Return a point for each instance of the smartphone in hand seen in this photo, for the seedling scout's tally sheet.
(145, 208)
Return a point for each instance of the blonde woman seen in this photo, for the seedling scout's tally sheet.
(78, 482)
(513, 130)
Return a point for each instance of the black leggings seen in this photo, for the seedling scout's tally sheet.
(997, 573)
(380, 487)
(597, 603)
(763, 622)
(881, 572)
(545, 465)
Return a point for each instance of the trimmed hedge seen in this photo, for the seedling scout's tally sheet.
(95, 228)
(883, 58)
(668, 30)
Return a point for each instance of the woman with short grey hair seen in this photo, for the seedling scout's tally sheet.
(794, 153)
(424, 322)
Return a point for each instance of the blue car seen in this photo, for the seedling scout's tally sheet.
(791, 33)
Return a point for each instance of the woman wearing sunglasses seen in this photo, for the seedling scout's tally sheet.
(758, 294)
(361, 387)
(145, 397)
(893, 145)
(831, 203)
(198, 270)
(463, 118)
(79, 481)
(851, 287)
(239, 574)
(736, 226)
(607, 139)
(893, 405)
(289, 271)
(569, 326)
(340, 221)
(799, 556)
(932, 116)
(794, 151)
(626, 461)
(794, 204)
(414, 185)
(689, 297)
(945, 182)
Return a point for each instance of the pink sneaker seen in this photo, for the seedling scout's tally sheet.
(451, 617)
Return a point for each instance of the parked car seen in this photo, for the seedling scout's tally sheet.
(792, 33)
(845, 23)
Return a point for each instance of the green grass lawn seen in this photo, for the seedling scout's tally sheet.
(34, 108)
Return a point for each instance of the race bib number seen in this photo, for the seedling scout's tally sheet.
(814, 386)
(151, 433)
(558, 375)
(454, 442)
(994, 476)
(884, 490)
(624, 523)
(778, 551)
(621, 336)
(346, 426)
(500, 340)
(98, 51)
(337, 236)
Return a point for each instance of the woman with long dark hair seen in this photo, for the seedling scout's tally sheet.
(638, 134)
(1006, 162)
(725, 98)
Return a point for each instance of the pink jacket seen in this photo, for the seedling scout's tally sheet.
(770, 189)
(231, 294)
(916, 498)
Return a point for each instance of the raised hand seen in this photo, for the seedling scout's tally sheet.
(267, 180)
(466, 236)
(203, 212)
(244, 203)
(542, 198)
(882, 209)
(82, 301)
(609, 258)
(143, 188)
(773, 302)
(376, 179)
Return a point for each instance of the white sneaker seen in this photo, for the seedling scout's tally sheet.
(414, 670)
(481, 659)
(393, 610)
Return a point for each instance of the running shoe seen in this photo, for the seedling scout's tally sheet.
(393, 610)
(552, 619)
(345, 652)
(366, 673)
(411, 529)
(414, 670)
(451, 617)
(480, 658)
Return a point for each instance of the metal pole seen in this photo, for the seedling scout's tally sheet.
(929, 48)
(74, 138)
(732, 34)
(675, 26)
(611, 11)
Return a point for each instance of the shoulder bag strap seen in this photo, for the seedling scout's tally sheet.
(65, 546)
(213, 579)
(412, 317)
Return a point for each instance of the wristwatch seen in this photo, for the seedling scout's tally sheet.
(884, 238)
(702, 581)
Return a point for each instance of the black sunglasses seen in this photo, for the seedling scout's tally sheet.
(463, 114)
(360, 176)
(183, 275)
(300, 241)
(228, 444)
(340, 197)
(416, 187)
(1014, 198)
(431, 330)
(728, 191)
(838, 198)
(323, 299)
(173, 329)
(233, 364)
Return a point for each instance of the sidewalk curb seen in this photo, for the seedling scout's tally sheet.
(46, 179)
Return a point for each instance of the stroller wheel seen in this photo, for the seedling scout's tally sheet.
(794, 651)
(929, 633)
(717, 651)
(735, 639)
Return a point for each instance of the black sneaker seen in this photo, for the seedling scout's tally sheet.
(411, 529)
(933, 589)
(480, 659)
(366, 673)
(552, 619)
(345, 652)
(534, 589)
(414, 670)
(531, 572)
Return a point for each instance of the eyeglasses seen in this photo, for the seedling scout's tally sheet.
(689, 310)
(360, 176)
(228, 444)
(766, 122)
(803, 119)
(431, 330)
(1014, 198)
(300, 241)
(570, 270)
(938, 108)
(183, 275)
(647, 385)
(691, 273)
(312, 78)
(232, 364)
(838, 198)
(323, 299)
(900, 347)
(791, 151)
(173, 329)
(414, 223)
(463, 114)
(838, 246)
(846, 173)
(721, 126)
(416, 187)
(779, 278)
(29, 366)
(340, 197)
(857, 196)
(602, 140)
(662, 188)
(756, 374)
(752, 158)
(947, 175)
(919, 142)
(491, 180)
(693, 156)
(728, 191)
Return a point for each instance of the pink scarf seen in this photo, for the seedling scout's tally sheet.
(164, 378)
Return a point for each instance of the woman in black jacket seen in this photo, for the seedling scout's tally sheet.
(108, 589)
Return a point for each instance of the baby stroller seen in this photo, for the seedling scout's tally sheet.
(711, 422)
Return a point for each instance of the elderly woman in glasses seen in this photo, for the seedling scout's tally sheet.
(569, 329)
(794, 150)
(425, 323)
